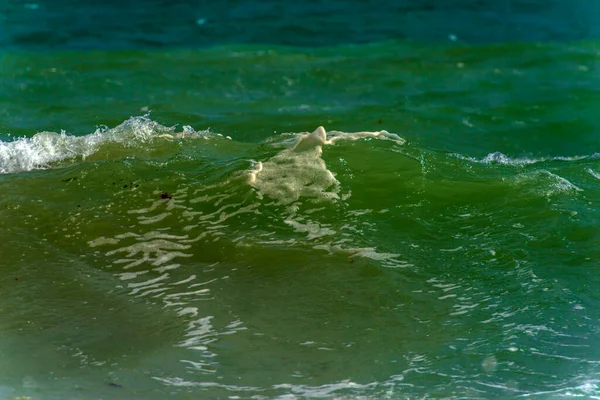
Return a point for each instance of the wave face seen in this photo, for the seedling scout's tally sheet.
(148, 260)
(401, 219)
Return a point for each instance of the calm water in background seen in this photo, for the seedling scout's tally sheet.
(145, 256)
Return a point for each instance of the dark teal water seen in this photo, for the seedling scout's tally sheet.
(45, 25)
(170, 228)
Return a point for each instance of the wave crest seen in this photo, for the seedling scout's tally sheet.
(46, 148)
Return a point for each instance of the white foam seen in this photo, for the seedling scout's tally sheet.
(25, 154)
(546, 182)
(502, 159)
(334, 136)
(46, 148)
(312, 229)
(299, 171)
(310, 141)
(296, 172)
(593, 173)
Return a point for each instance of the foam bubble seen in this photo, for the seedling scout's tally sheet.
(299, 171)
(311, 141)
(46, 148)
(546, 182)
(334, 136)
(500, 158)
(296, 172)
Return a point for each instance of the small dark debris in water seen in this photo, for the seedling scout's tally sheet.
(17, 279)
(114, 183)
(78, 205)
(137, 185)
(124, 186)
(70, 179)
(165, 195)
(379, 121)
(115, 385)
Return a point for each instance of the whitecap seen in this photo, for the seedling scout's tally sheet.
(299, 171)
(46, 148)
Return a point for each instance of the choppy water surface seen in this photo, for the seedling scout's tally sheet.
(176, 224)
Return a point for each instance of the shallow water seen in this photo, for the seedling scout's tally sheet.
(170, 229)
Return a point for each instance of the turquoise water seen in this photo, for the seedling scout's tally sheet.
(172, 229)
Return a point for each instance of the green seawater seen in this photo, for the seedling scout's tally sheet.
(144, 254)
